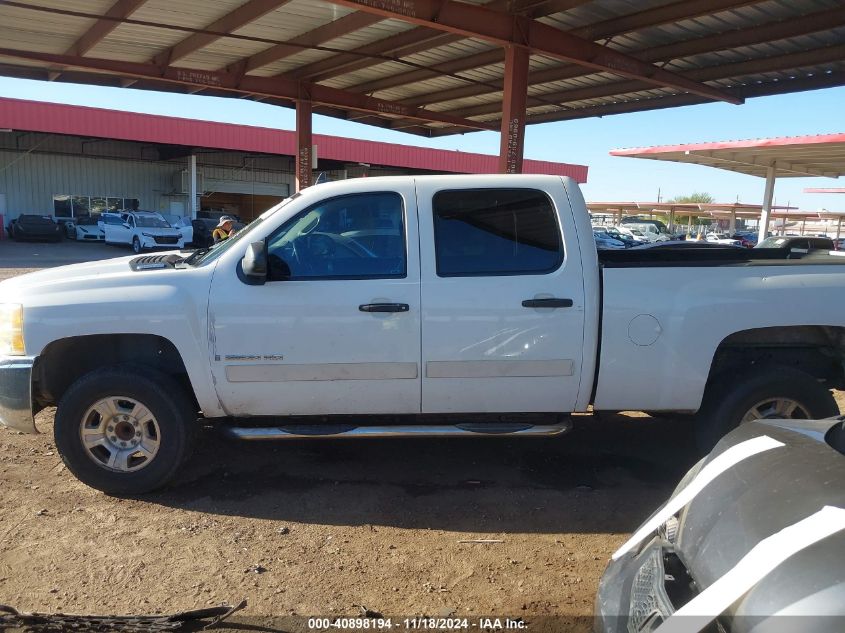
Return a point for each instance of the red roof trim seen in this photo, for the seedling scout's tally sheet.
(38, 116)
(784, 141)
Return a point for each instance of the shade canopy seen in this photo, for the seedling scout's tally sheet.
(792, 156)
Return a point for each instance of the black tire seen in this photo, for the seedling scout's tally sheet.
(170, 407)
(729, 398)
(136, 245)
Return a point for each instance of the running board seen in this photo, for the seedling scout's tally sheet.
(331, 431)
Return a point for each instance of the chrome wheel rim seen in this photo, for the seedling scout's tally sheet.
(777, 408)
(120, 434)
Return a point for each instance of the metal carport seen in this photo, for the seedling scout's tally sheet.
(435, 67)
(770, 158)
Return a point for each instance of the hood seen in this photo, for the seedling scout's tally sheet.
(100, 273)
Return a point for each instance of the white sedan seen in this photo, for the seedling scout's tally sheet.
(721, 238)
(141, 230)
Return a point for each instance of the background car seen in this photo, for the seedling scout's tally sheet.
(202, 228)
(722, 238)
(798, 243)
(648, 229)
(183, 225)
(747, 238)
(36, 227)
(89, 229)
(142, 230)
(605, 242)
(766, 476)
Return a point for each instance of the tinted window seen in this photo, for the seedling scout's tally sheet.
(495, 232)
(350, 237)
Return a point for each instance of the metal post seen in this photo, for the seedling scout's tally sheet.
(303, 144)
(512, 140)
(768, 195)
(838, 227)
(192, 203)
(732, 227)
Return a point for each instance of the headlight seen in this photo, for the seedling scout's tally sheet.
(11, 329)
(147, 234)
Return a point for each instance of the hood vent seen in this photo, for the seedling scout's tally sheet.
(154, 262)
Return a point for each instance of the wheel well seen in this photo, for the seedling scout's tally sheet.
(65, 361)
(816, 349)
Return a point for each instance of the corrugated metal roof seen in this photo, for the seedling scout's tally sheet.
(54, 118)
(792, 156)
(409, 65)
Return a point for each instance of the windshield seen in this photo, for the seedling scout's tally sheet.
(151, 222)
(205, 255)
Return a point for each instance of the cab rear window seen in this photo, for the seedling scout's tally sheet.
(480, 232)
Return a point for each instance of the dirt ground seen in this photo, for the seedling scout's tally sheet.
(319, 528)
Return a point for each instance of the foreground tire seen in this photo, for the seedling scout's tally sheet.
(769, 393)
(124, 429)
(136, 245)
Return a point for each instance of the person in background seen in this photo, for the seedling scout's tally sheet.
(224, 229)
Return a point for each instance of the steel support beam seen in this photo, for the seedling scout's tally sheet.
(303, 144)
(315, 37)
(506, 29)
(605, 29)
(512, 142)
(814, 82)
(414, 41)
(804, 25)
(101, 28)
(826, 54)
(244, 14)
(266, 86)
(768, 196)
(193, 205)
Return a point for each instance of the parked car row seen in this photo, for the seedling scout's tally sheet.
(138, 229)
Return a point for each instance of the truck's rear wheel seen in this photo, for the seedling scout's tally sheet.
(770, 393)
(124, 430)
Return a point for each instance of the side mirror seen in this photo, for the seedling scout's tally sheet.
(254, 262)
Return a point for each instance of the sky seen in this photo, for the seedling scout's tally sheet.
(585, 141)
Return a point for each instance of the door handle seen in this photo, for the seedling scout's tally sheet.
(547, 303)
(384, 307)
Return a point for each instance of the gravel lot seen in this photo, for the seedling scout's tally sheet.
(320, 528)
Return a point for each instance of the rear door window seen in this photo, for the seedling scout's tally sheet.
(479, 232)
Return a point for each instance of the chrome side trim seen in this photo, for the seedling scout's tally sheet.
(323, 371)
(498, 368)
(332, 432)
(16, 393)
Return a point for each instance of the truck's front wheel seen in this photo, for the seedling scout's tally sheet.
(775, 392)
(124, 430)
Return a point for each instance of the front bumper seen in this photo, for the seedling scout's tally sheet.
(16, 393)
(630, 601)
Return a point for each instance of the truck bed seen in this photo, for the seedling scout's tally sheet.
(665, 311)
(695, 256)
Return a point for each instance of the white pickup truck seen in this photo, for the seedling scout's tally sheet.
(437, 305)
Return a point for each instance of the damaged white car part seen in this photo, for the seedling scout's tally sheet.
(721, 464)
